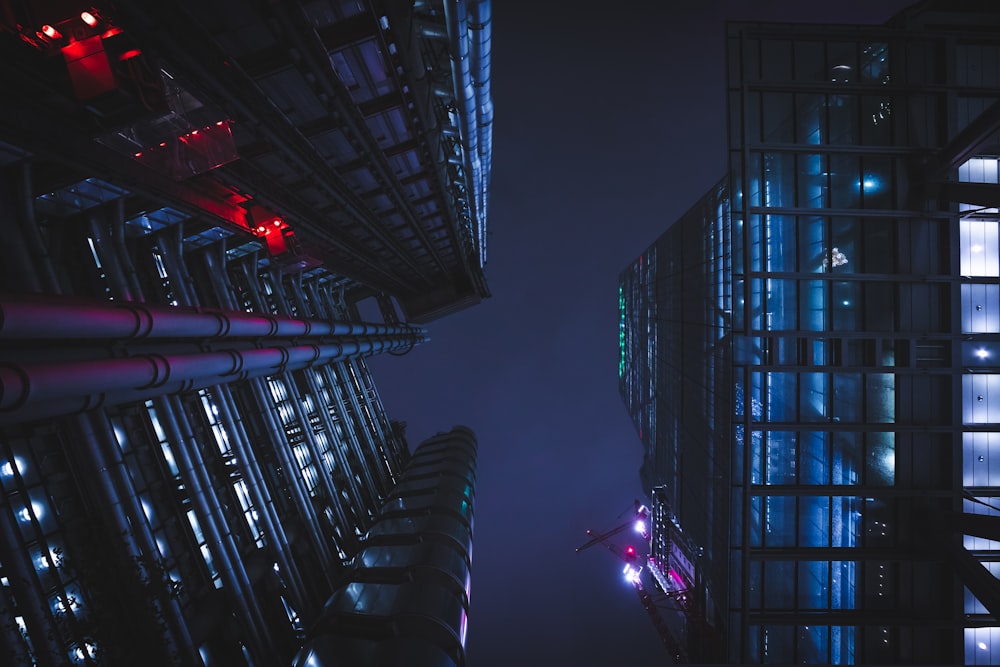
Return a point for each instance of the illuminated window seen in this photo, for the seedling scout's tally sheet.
(979, 248)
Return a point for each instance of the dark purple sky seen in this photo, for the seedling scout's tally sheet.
(610, 123)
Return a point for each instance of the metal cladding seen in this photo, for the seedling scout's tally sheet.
(204, 350)
(407, 599)
(355, 136)
(202, 204)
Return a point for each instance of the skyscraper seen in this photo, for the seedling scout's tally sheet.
(808, 354)
(195, 199)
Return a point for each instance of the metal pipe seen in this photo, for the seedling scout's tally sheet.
(171, 245)
(329, 425)
(286, 459)
(333, 499)
(249, 267)
(37, 317)
(373, 460)
(19, 271)
(350, 431)
(118, 240)
(97, 221)
(29, 226)
(256, 487)
(27, 590)
(278, 292)
(120, 504)
(377, 434)
(213, 523)
(216, 268)
(20, 383)
(31, 391)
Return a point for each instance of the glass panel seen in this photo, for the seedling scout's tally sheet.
(845, 181)
(847, 397)
(846, 462)
(780, 243)
(814, 466)
(779, 581)
(781, 457)
(814, 521)
(777, 117)
(813, 645)
(881, 459)
(781, 397)
(812, 187)
(779, 521)
(813, 397)
(979, 248)
(810, 63)
(877, 181)
(814, 580)
(980, 308)
(810, 113)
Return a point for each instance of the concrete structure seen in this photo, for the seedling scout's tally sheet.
(808, 354)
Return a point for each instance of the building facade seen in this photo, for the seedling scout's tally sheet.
(808, 353)
(195, 198)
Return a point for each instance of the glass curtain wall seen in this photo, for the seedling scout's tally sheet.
(842, 359)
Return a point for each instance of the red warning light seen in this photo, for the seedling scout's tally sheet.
(88, 18)
(50, 32)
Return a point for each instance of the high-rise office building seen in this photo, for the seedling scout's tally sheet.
(810, 353)
(195, 198)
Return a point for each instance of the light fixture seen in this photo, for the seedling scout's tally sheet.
(88, 18)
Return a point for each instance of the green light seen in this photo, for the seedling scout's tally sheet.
(621, 331)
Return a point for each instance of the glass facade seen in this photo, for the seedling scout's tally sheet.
(852, 322)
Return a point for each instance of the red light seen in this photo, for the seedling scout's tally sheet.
(219, 122)
(139, 154)
(630, 551)
(111, 32)
(50, 32)
(262, 229)
(194, 131)
(131, 53)
(162, 144)
(277, 222)
(88, 18)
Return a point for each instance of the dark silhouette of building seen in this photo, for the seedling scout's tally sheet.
(810, 353)
(195, 198)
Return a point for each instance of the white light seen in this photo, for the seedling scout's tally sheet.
(982, 645)
(977, 248)
(25, 514)
(640, 527)
(889, 461)
(631, 574)
(982, 354)
(147, 510)
(846, 302)
(8, 468)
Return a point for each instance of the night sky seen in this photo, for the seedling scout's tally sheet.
(610, 122)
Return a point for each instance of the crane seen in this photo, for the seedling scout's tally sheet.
(633, 573)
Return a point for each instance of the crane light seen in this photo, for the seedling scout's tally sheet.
(640, 527)
(50, 32)
(88, 18)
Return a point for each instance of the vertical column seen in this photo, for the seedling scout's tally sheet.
(293, 477)
(213, 523)
(258, 491)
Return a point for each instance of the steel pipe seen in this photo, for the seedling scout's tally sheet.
(34, 317)
(41, 390)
